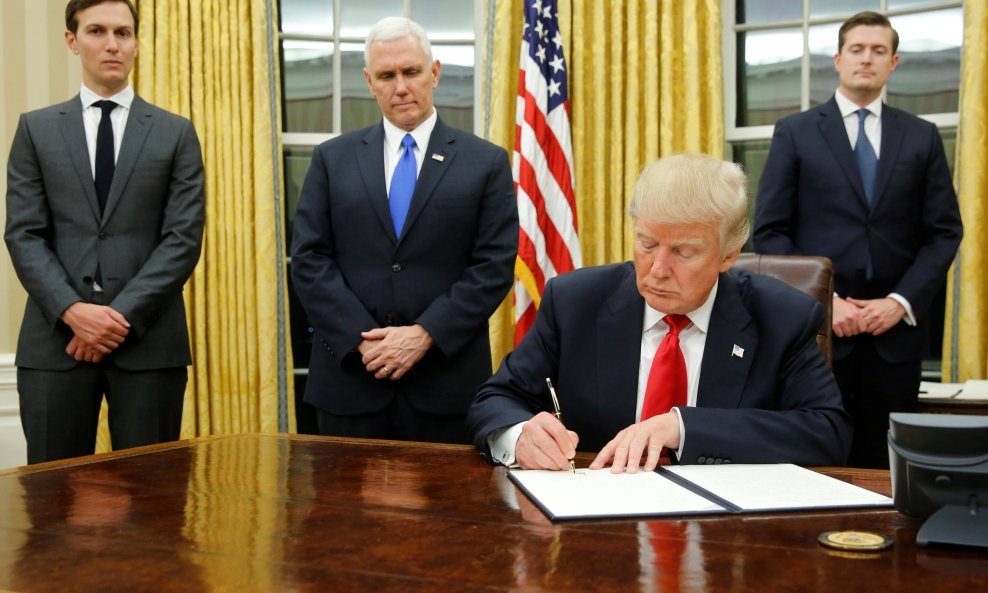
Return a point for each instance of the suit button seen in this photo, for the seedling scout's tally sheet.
(701, 459)
(87, 279)
(718, 461)
(103, 236)
(710, 460)
(389, 319)
(396, 268)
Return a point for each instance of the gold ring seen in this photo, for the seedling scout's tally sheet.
(386, 371)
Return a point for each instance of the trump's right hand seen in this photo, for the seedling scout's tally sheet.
(545, 444)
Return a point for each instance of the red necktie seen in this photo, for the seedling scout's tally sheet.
(666, 386)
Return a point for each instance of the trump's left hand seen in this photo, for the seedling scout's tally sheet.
(626, 449)
(397, 350)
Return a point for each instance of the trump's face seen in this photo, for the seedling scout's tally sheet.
(402, 80)
(676, 264)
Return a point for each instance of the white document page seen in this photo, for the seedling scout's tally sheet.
(599, 493)
(931, 390)
(974, 389)
(777, 487)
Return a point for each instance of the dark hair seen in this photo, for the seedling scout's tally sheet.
(866, 18)
(74, 6)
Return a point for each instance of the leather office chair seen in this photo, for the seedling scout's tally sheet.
(812, 275)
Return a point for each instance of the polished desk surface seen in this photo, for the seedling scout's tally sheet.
(297, 513)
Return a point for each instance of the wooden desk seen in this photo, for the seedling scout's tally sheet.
(952, 406)
(295, 513)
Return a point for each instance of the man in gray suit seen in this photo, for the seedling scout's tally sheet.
(105, 214)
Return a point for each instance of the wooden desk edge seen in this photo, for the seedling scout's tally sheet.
(136, 451)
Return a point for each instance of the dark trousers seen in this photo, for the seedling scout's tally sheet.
(872, 388)
(60, 409)
(399, 421)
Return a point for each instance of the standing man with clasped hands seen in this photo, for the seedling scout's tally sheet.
(404, 245)
(105, 214)
(866, 185)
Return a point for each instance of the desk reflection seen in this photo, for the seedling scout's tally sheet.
(81, 525)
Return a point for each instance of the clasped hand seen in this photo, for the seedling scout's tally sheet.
(97, 331)
(545, 443)
(390, 352)
(872, 316)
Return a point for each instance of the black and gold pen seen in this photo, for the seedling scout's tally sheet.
(558, 413)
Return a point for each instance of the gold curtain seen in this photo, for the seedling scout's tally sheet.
(214, 61)
(645, 81)
(965, 342)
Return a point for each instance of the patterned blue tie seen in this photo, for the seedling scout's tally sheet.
(403, 184)
(867, 164)
(867, 159)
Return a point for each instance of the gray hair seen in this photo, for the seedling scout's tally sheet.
(694, 188)
(396, 27)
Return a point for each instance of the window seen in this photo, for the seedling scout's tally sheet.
(779, 60)
(324, 94)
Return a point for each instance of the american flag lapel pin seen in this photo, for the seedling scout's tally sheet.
(438, 157)
(737, 351)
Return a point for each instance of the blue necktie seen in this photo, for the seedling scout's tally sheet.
(867, 164)
(867, 159)
(403, 184)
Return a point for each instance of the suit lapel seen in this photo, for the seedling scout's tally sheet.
(724, 369)
(619, 331)
(433, 169)
(370, 159)
(139, 123)
(835, 134)
(74, 136)
(892, 134)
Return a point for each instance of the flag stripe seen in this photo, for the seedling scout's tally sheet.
(548, 242)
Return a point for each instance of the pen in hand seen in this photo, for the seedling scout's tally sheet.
(558, 413)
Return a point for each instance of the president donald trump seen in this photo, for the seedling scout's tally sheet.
(674, 350)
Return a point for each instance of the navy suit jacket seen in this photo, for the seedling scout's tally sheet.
(811, 202)
(778, 402)
(449, 270)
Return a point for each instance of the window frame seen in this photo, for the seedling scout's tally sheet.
(730, 29)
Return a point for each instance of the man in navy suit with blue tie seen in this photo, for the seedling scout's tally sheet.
(404, 245)
(866, 185)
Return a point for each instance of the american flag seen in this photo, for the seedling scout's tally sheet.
(543, 164)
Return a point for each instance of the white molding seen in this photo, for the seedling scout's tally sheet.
(13, 449)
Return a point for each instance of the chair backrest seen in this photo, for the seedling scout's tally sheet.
(812, 275)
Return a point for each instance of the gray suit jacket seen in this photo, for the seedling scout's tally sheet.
(146, 243)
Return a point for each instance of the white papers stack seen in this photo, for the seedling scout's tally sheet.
(689, 489)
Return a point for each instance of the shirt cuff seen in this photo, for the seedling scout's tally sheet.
(682, 434)
(502, 444)
(909, 318)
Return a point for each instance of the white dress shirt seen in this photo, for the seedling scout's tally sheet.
(873, 130)
(393, 136)
(692, 340)
(91, 117)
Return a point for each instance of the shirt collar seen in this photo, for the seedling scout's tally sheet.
(393, 134)
(700, 316)
(848, 107)
(124, 98)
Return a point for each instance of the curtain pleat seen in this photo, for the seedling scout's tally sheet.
(209, 60)
(965, 342)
